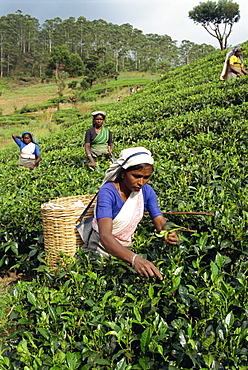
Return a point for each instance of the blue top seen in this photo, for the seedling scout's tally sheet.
(109, 201)
(21, 145)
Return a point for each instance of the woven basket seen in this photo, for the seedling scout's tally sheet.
(59, 225)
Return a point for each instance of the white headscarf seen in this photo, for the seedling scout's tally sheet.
(138, 155)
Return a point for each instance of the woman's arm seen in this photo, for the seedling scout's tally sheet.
(142, 266)
(236, 70)
(16, 136)
(88, 153)
(37, 160)
(36, 163)
(244, 71)
(159, 221)
(110, 148)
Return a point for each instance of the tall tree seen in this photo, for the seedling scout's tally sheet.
(49, 35)
(60, 57)
(8, 45)
(217, 18)
(75, 65)
(188, 51)
(91, 66)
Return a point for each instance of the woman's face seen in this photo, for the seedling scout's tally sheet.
(98, 120)
(136, 179)
(27, 139)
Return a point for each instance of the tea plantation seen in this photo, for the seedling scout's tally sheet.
(104, 316)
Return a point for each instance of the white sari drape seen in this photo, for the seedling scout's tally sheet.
(126, 221)
(27, 151)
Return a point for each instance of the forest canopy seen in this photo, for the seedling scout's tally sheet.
(26, 46)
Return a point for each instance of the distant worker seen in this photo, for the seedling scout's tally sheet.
(234, 64)
(98, 139)
(118, 98)
(132, 90)
(138, 88)
(29, 150)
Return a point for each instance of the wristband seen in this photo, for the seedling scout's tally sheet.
(133, 259)
(89, 155)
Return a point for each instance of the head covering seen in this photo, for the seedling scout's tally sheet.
(238, 47)
(98, 112)
(128, 157)
(31, 135)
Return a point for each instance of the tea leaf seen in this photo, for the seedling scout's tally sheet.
(145, 339)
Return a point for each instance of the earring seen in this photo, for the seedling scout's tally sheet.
(122, 176)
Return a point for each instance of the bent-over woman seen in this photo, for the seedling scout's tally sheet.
(121, 202)
(29, 150)
(98, 139)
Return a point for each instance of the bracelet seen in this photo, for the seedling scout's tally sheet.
(89, 155)
(133, 259)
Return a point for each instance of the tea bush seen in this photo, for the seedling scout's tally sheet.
(103, 316)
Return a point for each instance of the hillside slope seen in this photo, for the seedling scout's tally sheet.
(105, 316)
(195, 125)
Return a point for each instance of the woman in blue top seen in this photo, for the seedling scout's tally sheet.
(121, 202)
(29, 150)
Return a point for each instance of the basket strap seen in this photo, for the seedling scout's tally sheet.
(111, 177)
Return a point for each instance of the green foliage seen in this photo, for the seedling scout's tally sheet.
(13, 119)
(67, 44)
(90, 315)
(68, 117)
(75, 65)
(212, 15)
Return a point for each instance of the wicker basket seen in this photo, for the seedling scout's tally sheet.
(59, 218)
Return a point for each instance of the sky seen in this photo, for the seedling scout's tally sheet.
(162, 17)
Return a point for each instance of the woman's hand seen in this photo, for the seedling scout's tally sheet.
(32, 166)
(172, 238)
(146, 268)
(92, 163)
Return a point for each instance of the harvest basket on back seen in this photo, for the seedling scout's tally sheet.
(59, 218)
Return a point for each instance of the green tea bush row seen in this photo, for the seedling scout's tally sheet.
(103, 316)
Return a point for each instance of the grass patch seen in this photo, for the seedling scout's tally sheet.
(17, 97)
(42, 127)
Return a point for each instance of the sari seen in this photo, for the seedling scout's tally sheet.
(124, 225)
(26, 155)
(99, 145)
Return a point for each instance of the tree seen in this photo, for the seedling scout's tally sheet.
(217, 18)
(75, 66)
(189, 51)
(107, 71)
(60, 57)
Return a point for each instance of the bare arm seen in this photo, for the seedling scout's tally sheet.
(110, 148)
(142, 266)
(236, 70)
(36, 163)
(244, 71)
(88, 153)
(16, 136)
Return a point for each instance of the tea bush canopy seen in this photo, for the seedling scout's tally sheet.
(104, 316)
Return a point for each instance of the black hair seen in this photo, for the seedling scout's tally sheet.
(27, 133)
(132, 168)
